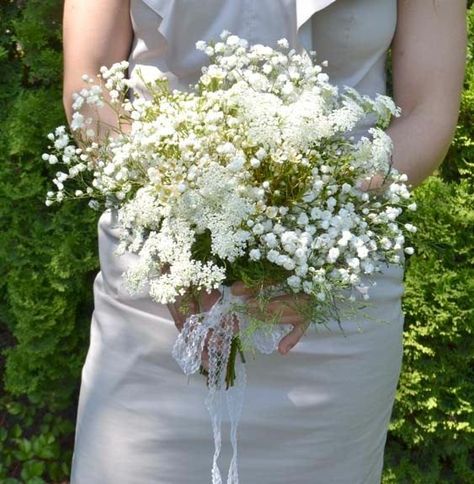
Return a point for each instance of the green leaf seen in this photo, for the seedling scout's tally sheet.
(31, 470)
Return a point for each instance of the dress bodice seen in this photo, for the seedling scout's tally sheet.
(352, 35)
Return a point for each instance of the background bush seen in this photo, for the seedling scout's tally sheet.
(48, 259)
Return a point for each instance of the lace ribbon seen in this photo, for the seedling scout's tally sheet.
(187, 352)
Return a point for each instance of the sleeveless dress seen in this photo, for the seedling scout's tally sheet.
(317, 415)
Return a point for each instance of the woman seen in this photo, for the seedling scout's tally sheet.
(319, 414)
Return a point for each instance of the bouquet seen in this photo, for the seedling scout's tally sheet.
(253, 175)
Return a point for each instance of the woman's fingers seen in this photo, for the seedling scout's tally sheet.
(286, 310)
(186, 305)
(288, 341)
(180, 310)
(284, 307)
(376, 183)
(240, 289)
(207, 300)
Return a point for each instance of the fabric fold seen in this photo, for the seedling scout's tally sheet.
(164, 9)
(305, 9)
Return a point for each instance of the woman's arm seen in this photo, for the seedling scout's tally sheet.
(95, 33)
(429, 55)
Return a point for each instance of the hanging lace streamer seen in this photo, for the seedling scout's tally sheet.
(187, 352)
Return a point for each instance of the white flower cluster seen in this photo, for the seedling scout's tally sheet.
(255, 172)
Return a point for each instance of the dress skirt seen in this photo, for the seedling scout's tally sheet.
(318, 415)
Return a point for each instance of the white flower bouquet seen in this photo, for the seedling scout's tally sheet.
(254, 175)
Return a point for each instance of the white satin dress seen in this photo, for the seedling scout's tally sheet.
(316, 416)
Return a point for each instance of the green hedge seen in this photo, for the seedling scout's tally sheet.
(48, 259)
(431, 438)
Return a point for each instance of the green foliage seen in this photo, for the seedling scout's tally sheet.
(459, 162)
(32, 455)
(432, 432)
(48, 259)
(431, 438)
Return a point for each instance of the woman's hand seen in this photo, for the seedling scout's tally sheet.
(187, 305)
(281, 307)
(377, 184)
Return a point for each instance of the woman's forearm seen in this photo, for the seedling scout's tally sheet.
(421, 140)
(94, 34)
(428, 60)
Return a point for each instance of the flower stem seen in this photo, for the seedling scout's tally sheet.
(236, 346)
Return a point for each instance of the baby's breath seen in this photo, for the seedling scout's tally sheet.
(254, 175)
